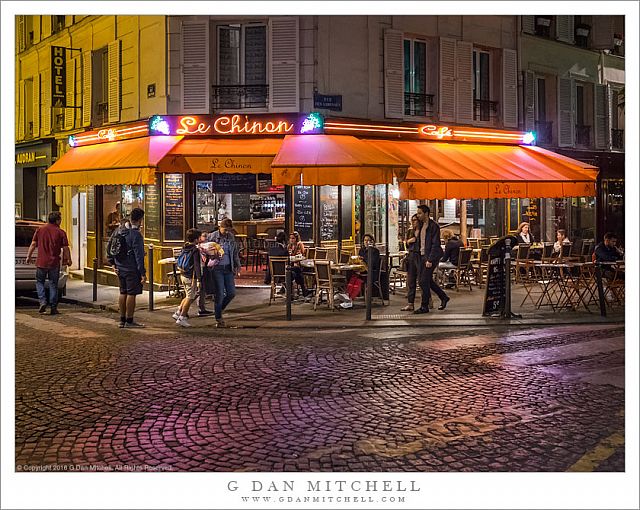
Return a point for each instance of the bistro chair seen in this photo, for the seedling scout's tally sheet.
(345, 257)
(522, 262)
(321, 254)
(565, 251)
(481, 265)
(311, 253)
(377, 283)
(585, 252)
(464, 271)
(324, 282)
(277, 267)
(473, 243)
(547, 252)
(173, 278)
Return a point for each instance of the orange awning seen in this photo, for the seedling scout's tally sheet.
(456, 170)
(222, 155)
(333, 160)
(132, 161)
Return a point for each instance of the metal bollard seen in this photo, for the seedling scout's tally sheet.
(288, 284)
(601, 298)
(95, 279)
(369, 281)
(151, 277)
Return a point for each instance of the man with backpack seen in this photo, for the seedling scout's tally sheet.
(125, 251)
(190, 264)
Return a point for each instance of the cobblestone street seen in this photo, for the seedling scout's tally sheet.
(376, 399)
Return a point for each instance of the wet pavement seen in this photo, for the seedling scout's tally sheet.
(89, 395)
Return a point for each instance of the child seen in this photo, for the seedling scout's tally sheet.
(190, 264)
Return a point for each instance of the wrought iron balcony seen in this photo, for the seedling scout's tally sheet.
(230, 97)
(583, 135)
(544, 131)
(617, 139)
(419, 105)
(484, 110)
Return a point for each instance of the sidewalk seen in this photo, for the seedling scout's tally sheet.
(250, 309)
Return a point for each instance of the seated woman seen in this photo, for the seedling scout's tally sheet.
(524, 234)
(296, 246)
(358, 279)
(561, 238)
(279, 249)
(451, 253)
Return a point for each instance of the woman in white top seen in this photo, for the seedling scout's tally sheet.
(524, 234)
(561, 238)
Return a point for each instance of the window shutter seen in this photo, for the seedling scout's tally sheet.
(36, 106)
(20, 33)
(194, 96)
(565, 28)
(46, 26)
(529, 24)
(601, 109)
(510, 88)
(86, 88)
(21, 109)
(393, 74)
(284, 83)
(529, 101)
(602, 33)
(46, 102)
(70, 113)
(113, 54)
(447, 92)
(464, 82)
(566, 102)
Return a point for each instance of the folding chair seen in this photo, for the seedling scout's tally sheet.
(464, 271)
(277, 268)
(324, 282)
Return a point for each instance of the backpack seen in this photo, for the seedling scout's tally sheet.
(117, 245)
(185, 261)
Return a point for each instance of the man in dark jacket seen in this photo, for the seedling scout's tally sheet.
(607, 251)
(130, 268)
(430, 254)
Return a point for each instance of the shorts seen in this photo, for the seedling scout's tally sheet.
(190, 287)
(130, 283)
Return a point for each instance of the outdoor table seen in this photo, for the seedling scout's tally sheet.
(177, 289)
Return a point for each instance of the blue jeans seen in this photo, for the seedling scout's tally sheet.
(224, 288)
(53, 274)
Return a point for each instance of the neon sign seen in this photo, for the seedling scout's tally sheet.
(109, 135)
(234, 125)
(435, 131)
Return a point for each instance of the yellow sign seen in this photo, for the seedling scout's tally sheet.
(230, 165)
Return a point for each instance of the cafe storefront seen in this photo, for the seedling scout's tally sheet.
(331, 181)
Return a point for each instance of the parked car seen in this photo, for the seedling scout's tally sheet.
(26, 273)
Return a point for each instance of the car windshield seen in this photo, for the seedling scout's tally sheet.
(24, 235)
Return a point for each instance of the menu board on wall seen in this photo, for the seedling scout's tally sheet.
(234, 183)
(173, 207)
(303, 211)
(152, 211)
(266, 186)
(91, 218)
(241, 207)
(329, 213)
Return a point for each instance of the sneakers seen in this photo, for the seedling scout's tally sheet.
(54, 311)
(346, 304)
(176, 315)
(443, 303)
(42, 309)
(133, 324)
(204, 313)
(283, 290)
(220, 323)
(407, 308)
(421, 310)
(181, 321)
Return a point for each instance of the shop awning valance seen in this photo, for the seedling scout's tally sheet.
(451, 170)
(221, 155)
(132, 161)
(333, 160)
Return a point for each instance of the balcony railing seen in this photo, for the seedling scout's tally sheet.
(544, 131)
(583, 135)
(419, 105)
(484, 110)
(235, 97)
(617, 139)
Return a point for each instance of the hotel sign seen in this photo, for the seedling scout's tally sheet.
(234, 125)
(58, 77)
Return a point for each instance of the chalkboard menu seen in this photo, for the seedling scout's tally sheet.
(152, 211)
(265, 185)
(329, 213)
(173, 207)
(91, 209)
(303, 211)
(495, 294)
(241, 207)
(234, 183)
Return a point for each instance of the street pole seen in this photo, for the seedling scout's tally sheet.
(601, 298)
(151, 277)
(369, 289)
(95, 279)
(287, 282)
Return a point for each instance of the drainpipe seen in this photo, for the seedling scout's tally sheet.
(520, 70)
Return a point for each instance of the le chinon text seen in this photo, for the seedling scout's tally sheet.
(326, 486)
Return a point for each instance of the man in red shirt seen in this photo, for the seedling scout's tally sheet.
(50, 239)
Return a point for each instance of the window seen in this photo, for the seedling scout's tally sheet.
(29, 31)
(543, 26)
(57, 23)
(242, 67)
(579, 105)
(541, 102)
(542, 125)
(100, 87)
(484, 108)
(28, 108)
(416, 100)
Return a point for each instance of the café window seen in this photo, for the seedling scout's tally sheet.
(128, 197)
(100, 87)
(241, 67)
(416, 100)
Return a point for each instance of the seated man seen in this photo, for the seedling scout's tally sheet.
(279, 249)
(449, 261)
(607, 251)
